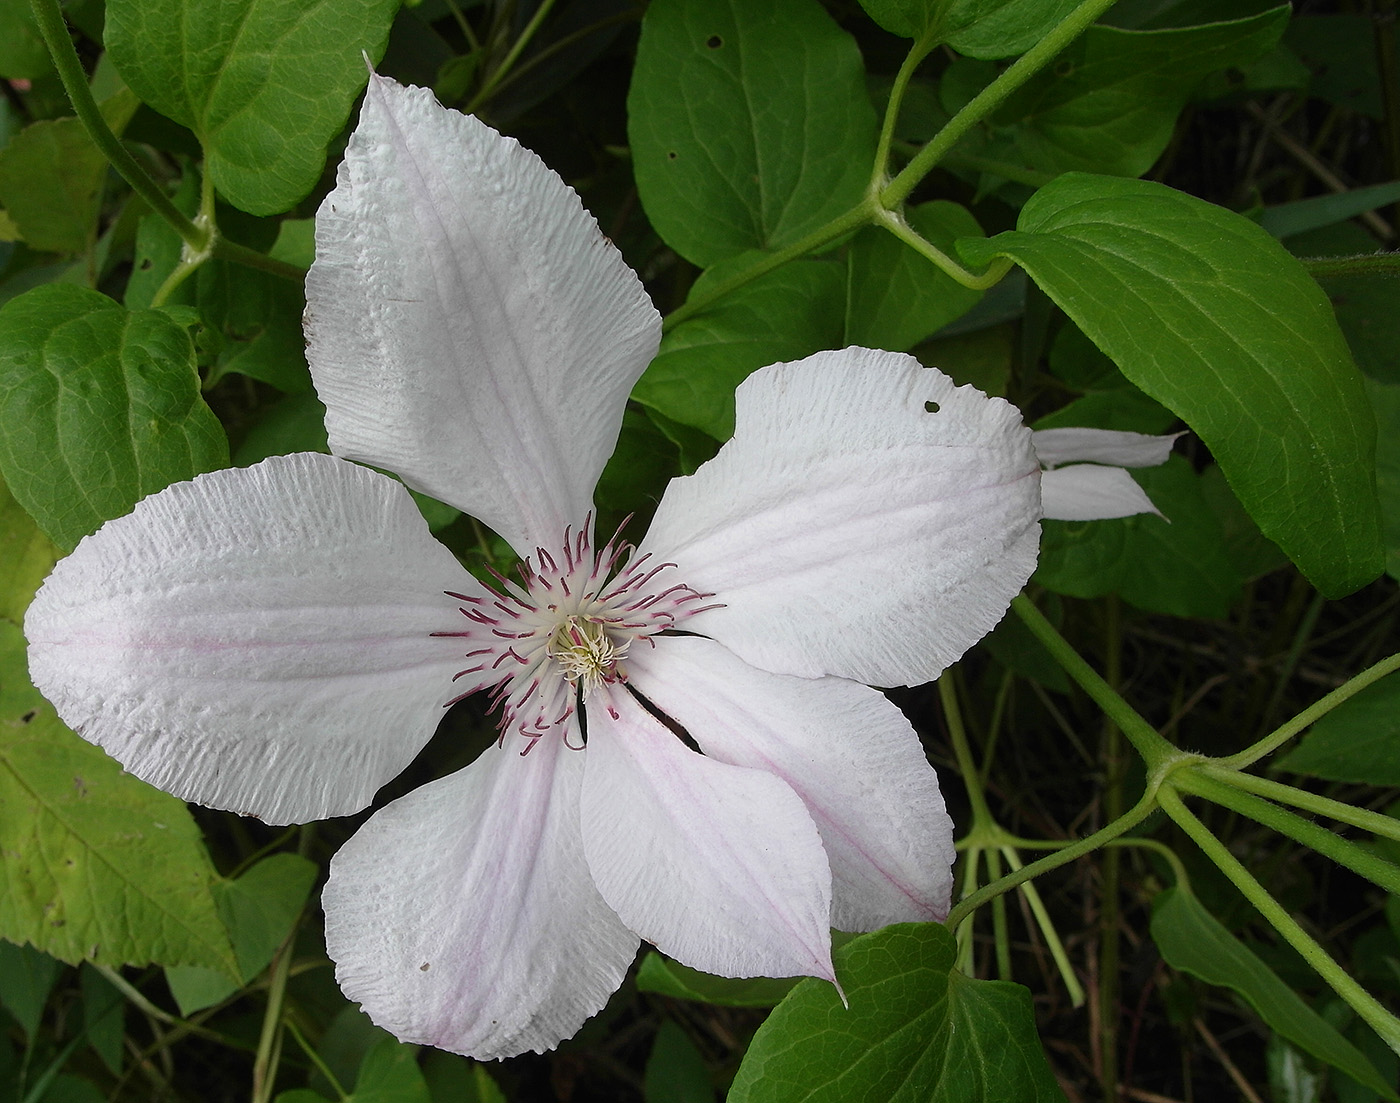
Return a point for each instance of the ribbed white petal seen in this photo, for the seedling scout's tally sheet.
(258, 639)
(847, 529)
(1110, 446)
(716, 865)
(1088, 492)
(463, 916)
(843, 748)
(469, 327)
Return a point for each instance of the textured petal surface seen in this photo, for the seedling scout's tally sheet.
(256, 640)
(463, 916)
(844, 749)
(1111, 446)
(847, 529)
(1088, 492)
(469, 327)
(716, 865)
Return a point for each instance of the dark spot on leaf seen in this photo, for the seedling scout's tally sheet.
(714, 42)
(28, 716)
(68, 862)
(1064, 69)
(931, 407)
(672, 155)
(145, 265)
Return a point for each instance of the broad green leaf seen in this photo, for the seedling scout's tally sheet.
(1358, 741)
(1205, 312)
(895, 297)
(1110, 100)
(99, 406)
(26, 557)
(94, 864)
(264, 84)
(258, 910)
(26, 979)
(51, 178)
(916, 1030)
(1174, 564)
(774, 136)
(790, 313)
(671, 978)
(390, 1074)
(1287, 219)
(454, 1079)
(23, 55)
(978, 28)
(1195, 942)
(676, 1071)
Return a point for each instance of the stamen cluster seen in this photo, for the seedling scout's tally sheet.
(561, 635)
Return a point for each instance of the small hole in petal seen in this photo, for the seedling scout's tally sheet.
(931, 407)
(423, 968)
(714, 42)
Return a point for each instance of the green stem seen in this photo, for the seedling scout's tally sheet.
(1155, 750)
(1001, 935)
(1327, 843)
(962, 751)
(1125, 823)
(70, 71)
(315, 1059)
(1362, 1002)
(1047, 930)
(270, 1040)
(1379, 264)
(962, 931)
(1387, 827)
(860, 215)
(489, 85)
(896, 224)
(986, 101)
(917, 52)
(1310, 715)
(134, 996)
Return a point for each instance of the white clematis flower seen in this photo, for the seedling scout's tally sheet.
(1096, 487)
(282, 640)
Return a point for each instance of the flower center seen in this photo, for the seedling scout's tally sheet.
(557, 638)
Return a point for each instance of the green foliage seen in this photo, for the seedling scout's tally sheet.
(915, 1029)
(671, 978)
(1208, 315)
(1194, 941)
(94, 864)
(774, 136)
(1357, 741)
(264, 84)
(51, 177)
(99, 406)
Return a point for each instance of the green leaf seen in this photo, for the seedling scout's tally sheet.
(1385, 403)
(26, 979)
(104, 1012)
(454, 1079)
(26, 557)
(99, 406)
(1194, 941)
(94, 863)
(390, 1074)
(1209, 315)
(774, 136)
(1110, 100)
(895, 297)
(671, 978)
(23, 55)
(1175, 564)
(990, 29)
(259, 910)
(916, 1030)
(676, 1071)
(264, 84)
(51, 177)
(1358, 741)
(789, 313)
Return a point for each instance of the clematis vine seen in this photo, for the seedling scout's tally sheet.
(1095, 487)
(689, 752)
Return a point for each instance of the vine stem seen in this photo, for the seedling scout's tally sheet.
(1387, 827)
(1155, 750)
(991, 97)
(1362, 1002)
(270, 1041)
(1310, 715)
